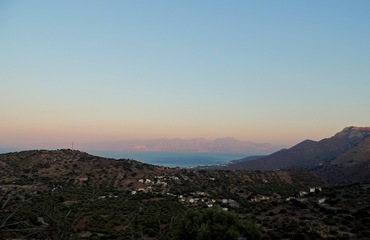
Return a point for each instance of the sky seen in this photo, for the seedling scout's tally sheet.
(264, 71)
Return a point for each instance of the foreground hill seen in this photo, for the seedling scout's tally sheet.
(45, 168)
(68, 194)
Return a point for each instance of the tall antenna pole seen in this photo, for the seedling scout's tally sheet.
(72, 145)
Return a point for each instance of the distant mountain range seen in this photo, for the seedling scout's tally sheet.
(342, 158)
(219, 145)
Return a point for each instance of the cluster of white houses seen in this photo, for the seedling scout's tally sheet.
(202, 198)
(312, 190)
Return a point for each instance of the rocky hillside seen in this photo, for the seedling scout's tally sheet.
(343, 150)
(45, 168)
(68, 194)
(349, 167)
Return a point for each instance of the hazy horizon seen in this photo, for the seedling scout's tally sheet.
(260, 71)
(133, 146)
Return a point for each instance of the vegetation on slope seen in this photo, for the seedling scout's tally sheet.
(68, 194)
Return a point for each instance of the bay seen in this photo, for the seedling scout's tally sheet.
(174, 159)
(167, 159)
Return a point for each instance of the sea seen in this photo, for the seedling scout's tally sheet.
(167, 159)
(174, 159)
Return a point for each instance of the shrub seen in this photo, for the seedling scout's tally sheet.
(215, 224)
(283, 210)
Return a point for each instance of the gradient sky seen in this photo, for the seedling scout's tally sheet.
(265, 71)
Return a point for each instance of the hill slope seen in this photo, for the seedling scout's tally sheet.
(351, 143)
(46, 168)
(349, 167)
(66, 194)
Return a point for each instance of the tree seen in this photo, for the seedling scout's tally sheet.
(215, 224)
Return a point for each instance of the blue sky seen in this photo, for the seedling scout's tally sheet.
(264, 71)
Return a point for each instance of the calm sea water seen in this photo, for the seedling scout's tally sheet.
(168, 159)
(174, 159)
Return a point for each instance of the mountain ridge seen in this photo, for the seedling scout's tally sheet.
(218, 145)
(315, 155)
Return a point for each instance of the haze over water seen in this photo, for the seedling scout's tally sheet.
(174, 159)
